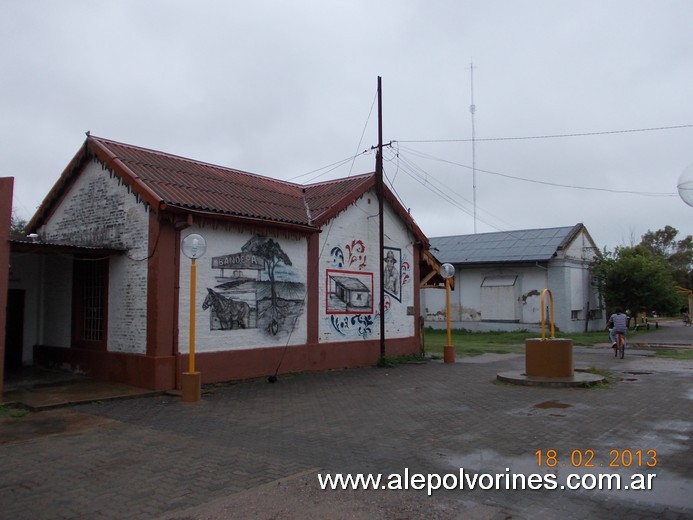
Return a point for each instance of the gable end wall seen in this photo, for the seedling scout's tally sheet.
(100, 211)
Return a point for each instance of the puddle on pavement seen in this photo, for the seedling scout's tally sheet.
(667, 489)
(552, 404)
(50, 422)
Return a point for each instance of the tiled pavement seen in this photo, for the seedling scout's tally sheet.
(156, 456)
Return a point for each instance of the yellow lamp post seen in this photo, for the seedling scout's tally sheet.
(447, 271)
(193, 246)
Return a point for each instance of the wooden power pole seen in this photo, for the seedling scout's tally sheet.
(381, 195)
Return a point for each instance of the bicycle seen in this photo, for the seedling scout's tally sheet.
(620, 349)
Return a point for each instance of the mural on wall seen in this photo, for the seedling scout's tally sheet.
(355, 259)
(348, 292)
(257, 289)
(392, 281)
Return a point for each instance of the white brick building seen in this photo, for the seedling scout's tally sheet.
(106, 290)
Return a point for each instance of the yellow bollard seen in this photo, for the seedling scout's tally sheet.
(449, 349)
(191, 382)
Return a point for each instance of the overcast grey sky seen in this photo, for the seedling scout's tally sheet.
(283, 89)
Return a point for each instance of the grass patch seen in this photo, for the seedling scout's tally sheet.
(686, 353)
(14, 413)
(390, 361)
(475, 343)
(469, 343)
(609, 378)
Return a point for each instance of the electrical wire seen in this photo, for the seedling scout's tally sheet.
(273, 378)
(444, 192)
(534, 181)
(331, 167)
(556, 136)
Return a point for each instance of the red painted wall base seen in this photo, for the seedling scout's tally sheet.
(234, 365)
(159, 373)
(154, 373)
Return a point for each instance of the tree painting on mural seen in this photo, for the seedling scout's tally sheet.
(257, 289)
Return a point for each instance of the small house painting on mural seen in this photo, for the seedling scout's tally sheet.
(349, 291)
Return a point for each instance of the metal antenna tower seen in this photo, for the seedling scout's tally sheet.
(472, 110)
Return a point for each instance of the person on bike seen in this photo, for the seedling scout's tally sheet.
(618, 324)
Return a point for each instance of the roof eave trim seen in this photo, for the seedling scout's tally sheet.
(256, 221)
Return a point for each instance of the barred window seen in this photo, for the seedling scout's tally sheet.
(90, 305)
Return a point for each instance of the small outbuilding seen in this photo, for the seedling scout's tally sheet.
(499, 278)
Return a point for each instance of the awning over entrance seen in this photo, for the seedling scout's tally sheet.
(430, 273)
(36, 247)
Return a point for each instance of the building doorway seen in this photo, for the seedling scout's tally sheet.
(14, 329)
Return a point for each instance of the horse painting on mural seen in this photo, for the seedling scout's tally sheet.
(227, 310)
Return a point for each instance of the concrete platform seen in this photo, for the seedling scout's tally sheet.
(38, 389)
(579, 379)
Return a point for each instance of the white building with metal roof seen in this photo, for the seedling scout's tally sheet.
(499, 278)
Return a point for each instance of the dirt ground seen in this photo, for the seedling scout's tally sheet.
(300, 496)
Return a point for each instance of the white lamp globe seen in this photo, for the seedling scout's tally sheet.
(685, 185)
(447, 271)
(194, 246)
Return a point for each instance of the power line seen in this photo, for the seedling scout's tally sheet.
(328, 168)
(556, 136)
(546, 183)
(417, 173)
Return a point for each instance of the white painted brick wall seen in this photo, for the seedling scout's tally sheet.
(350, 243)
(100, 211)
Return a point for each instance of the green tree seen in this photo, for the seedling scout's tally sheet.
(636, 279)
(17, 226)
(677, 253)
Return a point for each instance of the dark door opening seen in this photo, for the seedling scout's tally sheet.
(14, 329)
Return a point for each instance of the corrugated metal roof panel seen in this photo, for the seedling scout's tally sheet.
(199, 186)
(526, 245)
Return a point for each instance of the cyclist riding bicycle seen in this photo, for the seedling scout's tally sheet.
(618, 325)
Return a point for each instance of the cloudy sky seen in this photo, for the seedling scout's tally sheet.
(575, 100)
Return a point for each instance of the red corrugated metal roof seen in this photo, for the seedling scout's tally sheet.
(194, 185)
(167, 181)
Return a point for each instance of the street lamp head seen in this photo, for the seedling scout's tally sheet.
(685, 185)
(447, 271)
(193, 246)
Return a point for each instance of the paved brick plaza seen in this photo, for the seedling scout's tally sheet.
(155, 457)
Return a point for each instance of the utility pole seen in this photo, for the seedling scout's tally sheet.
(381, 236)
(472, 110)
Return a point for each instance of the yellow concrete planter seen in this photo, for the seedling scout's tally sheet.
(549, 357)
